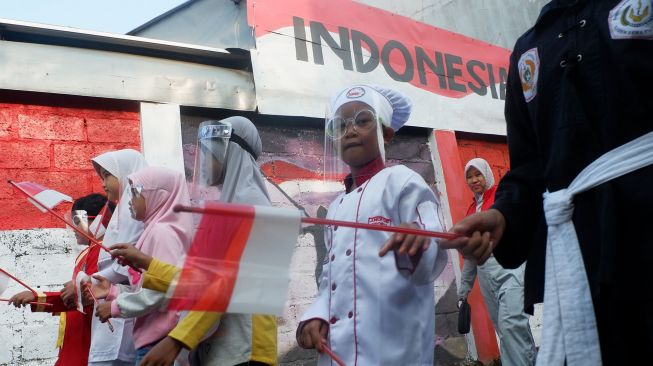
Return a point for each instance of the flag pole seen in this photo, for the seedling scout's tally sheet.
(19, 281)
(71, 225)
(241, 210)
(333, 356)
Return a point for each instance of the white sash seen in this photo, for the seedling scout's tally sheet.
(569, 323)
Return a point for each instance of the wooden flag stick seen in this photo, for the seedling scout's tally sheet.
(241, 210)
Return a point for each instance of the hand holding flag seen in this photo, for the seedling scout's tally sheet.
(23, 298)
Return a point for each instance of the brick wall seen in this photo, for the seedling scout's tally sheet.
(53, 146)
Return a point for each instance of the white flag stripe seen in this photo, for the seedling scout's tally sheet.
(4, 282)
(263, 274)
(50, 198)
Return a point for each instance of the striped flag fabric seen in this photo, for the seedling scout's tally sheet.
(48, 197)
(239, 263)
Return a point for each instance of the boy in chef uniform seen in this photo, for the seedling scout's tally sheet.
(375, 304)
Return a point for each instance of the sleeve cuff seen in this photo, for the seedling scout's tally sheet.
(115, 310)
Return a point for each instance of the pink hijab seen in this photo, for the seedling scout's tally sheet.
(168, 234)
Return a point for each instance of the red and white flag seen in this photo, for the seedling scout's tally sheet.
(239, 263)
(48, 197)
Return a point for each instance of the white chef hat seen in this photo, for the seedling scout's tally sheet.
(391, 106)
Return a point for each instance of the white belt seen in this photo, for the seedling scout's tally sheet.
(569, 329)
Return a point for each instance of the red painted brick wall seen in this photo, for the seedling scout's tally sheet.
(496, 153)
(53, 145)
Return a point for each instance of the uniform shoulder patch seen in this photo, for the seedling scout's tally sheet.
(529, 69)
(631, 19)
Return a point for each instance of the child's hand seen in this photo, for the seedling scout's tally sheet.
(406, 243)
(22, 299)
(100, 289)
(481, 232)
(68, 295)
(314, 334)
(128, 254)
(163, 354)
(103, 311)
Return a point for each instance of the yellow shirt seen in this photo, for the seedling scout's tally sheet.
(196, 324)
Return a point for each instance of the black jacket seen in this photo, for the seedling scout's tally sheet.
(593, 93)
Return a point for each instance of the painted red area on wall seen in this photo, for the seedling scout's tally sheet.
(52, 145)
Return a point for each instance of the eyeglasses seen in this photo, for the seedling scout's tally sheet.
(363, 121)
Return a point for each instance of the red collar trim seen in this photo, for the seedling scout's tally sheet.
(366, 172)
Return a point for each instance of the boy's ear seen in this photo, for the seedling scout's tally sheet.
(388, 134)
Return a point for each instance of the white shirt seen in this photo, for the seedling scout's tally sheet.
(378, 315)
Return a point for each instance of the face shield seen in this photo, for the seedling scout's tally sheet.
(353, 131)
(210, 158)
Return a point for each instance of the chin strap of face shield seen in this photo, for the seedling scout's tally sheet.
(242, 143)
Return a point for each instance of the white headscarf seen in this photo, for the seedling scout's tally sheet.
(121, 163)
(483, 167)
(243, 182)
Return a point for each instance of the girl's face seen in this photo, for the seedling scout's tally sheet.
(137, 205)
(110, 184)
(475, 180)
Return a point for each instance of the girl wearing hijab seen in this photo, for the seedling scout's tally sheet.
(227, 153)
(116, 348)
(167, 235)
(375, 305)
(502, 289)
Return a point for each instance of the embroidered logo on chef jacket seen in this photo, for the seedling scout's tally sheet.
(379, 220)
(631, 19)
(529, 69)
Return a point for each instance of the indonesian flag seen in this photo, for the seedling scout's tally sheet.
(239, 263)
(47, 197)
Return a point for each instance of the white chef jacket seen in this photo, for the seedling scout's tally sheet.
(377, 314)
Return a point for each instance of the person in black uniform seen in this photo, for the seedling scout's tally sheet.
(580, 84)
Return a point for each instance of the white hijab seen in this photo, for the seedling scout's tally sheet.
(121, 163)
(243, 182)
(483, 167)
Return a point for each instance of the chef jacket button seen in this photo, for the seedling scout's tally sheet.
(333, 256)
(333, 287)
(360, 189)
(348, 252)
(350, 315)
(333, 320)
(341, 200)
(335, 228)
